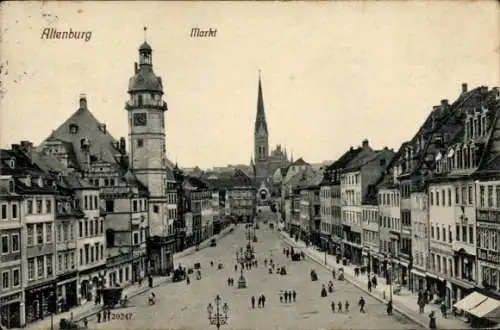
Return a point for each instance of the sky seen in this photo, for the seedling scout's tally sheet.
(333, 73)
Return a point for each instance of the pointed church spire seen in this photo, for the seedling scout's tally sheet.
(260, 120)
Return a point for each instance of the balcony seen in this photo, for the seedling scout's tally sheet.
(457, 246)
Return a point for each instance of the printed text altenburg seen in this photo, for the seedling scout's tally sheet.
(52, 33)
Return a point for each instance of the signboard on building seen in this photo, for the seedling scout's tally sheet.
(488, 216)
(488, 256)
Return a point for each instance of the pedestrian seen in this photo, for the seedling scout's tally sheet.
(443, 309)
(236, 267)
(361, 304)
(332, 305)
(281, 298)
(432, 320)
(253, 301)
(421, 305)
(109, 314)
(104, 315)
(85, 323)
(259, 302)
(228, 281)
(340, 306)
(333, 273)
(294, 295)
(286, 296)
(187, 280)
(369, 286)
(346, 306)
(99, 317)
(263, 301)
(389, 308)
(265, 262)
(374, 282)
(289, 296)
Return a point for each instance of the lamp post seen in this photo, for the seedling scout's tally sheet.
(324, 248)
(218, 318)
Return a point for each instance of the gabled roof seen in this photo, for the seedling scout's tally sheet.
(344, 160)
(300, 162)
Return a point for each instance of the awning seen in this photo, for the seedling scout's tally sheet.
(490, 308)
(471, 301)
(418, 273)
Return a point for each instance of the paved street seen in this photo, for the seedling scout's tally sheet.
(181, 306)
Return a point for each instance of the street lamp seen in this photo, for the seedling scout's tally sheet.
(217, 318)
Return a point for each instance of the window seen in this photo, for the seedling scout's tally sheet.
(443, 197)
(134, 203)
(5, 280)
(437, 198)
(80, 229)
(5, 244)
(432, 231)
(15, 243)
(16, 277)
(457, 195)
(48, 206)
(444, 233)
(102, 252)
(432, 198)
(38, 206)
(464, 234)
(471, 234)
(96, 203)
(66, 261)
(490, 196)
(72, 260)
(40, 267)
(4, 211)
(48, 233)
(86, 228)
(14, 211)
(81, 256)
(102, 226)
(60, 262)
(438, 233)
(48, 261)
(29, 206)
(481, 196)
(471, 195)
(39, 233)
(30, 230)
(86, 203)
(156, 209)
(91, 230)
(449, 197)
(140, 143)
(110, 206)
(31, 268)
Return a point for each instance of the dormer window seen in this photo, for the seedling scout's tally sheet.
(73, 128)
(28, 180)
(12, 163)
(40, 182)
(11, 186)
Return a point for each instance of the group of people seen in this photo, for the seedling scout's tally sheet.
(104, 314)
(230, 281)
(288, 296)
(361, 304)
(261, 301)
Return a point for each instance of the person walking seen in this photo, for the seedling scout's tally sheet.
(432, 320)
(294, 295)
(346, 306)
(361, 304)
(281, 297)
(236, 267)
(286, 296)
(374, 282)
(421, 305)
(389, 307)
(228, 281)
(104, 315)
(340, 306)
(290, 296)
(109, 314)
(263, 301)
(332, 305)
(99, 317)
(369, 286)
(443, 309)
(259, 302)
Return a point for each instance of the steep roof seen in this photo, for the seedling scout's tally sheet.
(344, 160)
(227, 180)
(102, 143)
(300, 162)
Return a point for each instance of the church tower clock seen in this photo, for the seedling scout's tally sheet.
(146, 119)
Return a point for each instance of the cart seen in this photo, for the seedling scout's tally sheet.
(179, 275)
(112, 296)
(65, 324)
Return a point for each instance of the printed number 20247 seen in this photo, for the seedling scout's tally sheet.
(121, 316)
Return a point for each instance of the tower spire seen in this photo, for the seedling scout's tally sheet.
(260, 120)
(145, 34)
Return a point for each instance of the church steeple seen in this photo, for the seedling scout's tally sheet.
(260, 120)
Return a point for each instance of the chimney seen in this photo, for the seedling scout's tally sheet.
(464, 88)
(14, 147)
(135, 68)
(122, 144)
(27, 147)
(444, 105)
(365, 144)
(351, 148)
(484, 89)
(83, 101)
(102, 128)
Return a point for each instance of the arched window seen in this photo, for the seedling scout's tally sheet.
(140, 100)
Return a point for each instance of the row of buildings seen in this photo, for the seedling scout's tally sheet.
(426, 216)
(84, 211)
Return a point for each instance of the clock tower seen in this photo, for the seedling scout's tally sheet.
(146, 119)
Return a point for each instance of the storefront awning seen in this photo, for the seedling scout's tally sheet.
(490, 308)
(471, 301)
(418, 273)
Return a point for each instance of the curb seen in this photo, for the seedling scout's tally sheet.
(346, 277)
(80, 318)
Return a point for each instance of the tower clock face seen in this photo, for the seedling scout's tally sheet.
(140, 119)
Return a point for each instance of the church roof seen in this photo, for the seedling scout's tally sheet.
(145, 80)
(145, 46)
